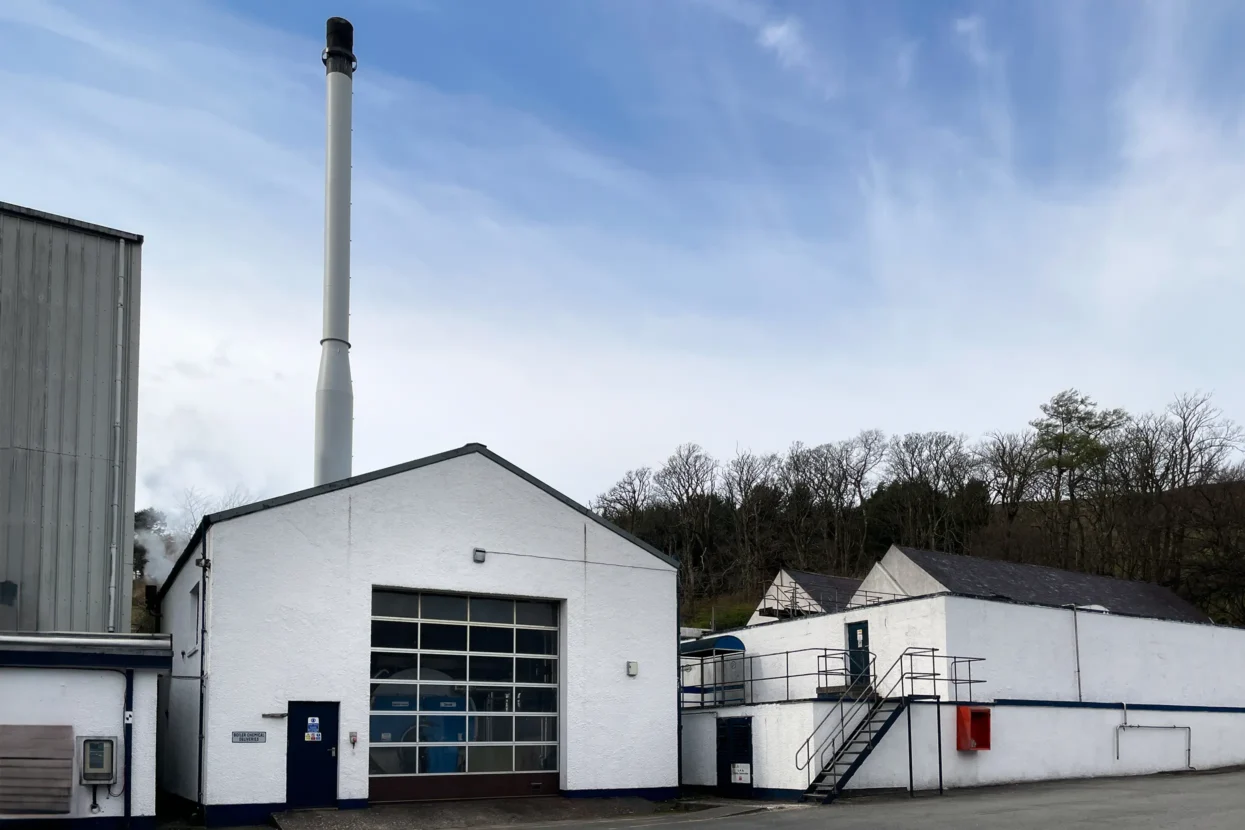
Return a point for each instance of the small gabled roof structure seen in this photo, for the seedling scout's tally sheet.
(832, 593)
(1041, 585)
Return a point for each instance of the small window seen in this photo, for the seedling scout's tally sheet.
(395, 604)
(536, 613)
(443, 607)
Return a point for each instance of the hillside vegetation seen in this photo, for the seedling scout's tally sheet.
(1157, 496)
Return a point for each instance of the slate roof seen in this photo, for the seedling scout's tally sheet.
(832, 593)
(1040, 585)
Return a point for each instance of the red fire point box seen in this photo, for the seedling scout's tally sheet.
(972, 728)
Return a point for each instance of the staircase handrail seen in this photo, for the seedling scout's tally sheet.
(862, 701)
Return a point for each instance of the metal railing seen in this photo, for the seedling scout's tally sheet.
(855, 708)
(786, 601)
(775, 677)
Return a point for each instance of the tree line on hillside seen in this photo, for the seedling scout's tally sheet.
(1158, 496)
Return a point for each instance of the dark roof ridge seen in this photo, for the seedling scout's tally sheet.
(385, 472)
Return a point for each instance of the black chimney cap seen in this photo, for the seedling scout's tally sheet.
(339, 34)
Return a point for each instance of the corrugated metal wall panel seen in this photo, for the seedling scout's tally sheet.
(58, 306)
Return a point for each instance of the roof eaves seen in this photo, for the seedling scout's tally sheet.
(67, 222)
(467, 449)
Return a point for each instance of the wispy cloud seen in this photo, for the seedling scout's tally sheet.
(584, 268)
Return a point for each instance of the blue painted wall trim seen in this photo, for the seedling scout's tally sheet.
(772, 794)
(85, 823)
(1140, 707)
(81, 660)
(234, 815)
(650, 793)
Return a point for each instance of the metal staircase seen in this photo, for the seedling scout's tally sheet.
(854, 749)
(865, 712)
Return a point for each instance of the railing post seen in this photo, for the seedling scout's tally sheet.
(938, 708)
(911, 788)
(788, 674)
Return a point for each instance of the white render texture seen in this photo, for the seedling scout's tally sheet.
(289, 604)
(93, 702)
(1030, 655)
(179, 692)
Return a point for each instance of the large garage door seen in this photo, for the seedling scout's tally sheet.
(464, 696)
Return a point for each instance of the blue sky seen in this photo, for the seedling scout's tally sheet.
(587, 232)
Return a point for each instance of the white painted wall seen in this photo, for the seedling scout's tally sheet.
(893, 627)
(93, 702)
(896, 574)
(1043, 743)
(778, 731)
(179, 693)
(289, 601)
(783, 592)
(700, 739)
(1031, 654)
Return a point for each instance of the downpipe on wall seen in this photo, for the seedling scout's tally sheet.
(1188, 736)
(114, 546)
(1076, 645)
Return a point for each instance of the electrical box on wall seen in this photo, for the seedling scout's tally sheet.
(99, 761)
(972, 728)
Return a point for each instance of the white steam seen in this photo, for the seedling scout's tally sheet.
(160, 558)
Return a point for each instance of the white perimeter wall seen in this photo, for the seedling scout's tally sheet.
(778, 731)
(1042, 743)
(893, 627)
(179, 692)
(289, 602)
(1027, 744)
(93, 702)
(1031, 653)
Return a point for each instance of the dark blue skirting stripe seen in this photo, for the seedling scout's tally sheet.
(1140, 707)
(234, 815)
(650, 793)
(15, 658)
(85, 823)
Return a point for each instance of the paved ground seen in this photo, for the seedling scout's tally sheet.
(1163, 802)
(1212, 801)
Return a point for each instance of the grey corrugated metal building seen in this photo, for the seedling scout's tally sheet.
(69, 315)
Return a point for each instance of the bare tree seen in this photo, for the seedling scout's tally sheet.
(195, 504)
(1008, 461)
(623, 503)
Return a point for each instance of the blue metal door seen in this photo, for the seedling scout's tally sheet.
(858, 653)
(311, 755)
(735, 757)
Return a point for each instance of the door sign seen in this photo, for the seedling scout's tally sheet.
(741, 773)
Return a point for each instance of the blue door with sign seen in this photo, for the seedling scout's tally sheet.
(311, 756)
(858, 655)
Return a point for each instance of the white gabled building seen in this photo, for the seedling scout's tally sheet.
(447, 628)
(796, 593)
(975, 672)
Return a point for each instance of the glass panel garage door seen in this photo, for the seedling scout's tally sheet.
(462, 685)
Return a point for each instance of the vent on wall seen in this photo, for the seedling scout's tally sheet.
(36, 769)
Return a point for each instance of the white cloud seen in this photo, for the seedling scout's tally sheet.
(581, 315)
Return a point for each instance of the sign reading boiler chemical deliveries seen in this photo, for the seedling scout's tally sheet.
(250, 737)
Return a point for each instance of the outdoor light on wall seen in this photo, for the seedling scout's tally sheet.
(477, 555)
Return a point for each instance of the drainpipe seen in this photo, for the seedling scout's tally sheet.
(1076, 642)
(203, 629)
(129, 741)
(117, 394)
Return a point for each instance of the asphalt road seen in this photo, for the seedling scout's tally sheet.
(1164, 802)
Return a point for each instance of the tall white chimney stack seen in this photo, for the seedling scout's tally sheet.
(334, 393)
